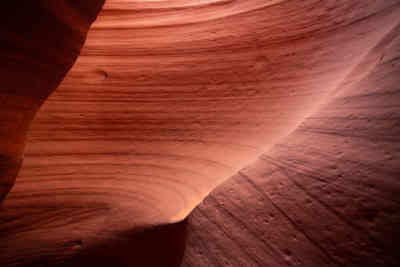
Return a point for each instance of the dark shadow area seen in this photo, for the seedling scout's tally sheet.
(156, 246)
(56, 236)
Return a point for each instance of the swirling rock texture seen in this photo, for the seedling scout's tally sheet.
(298, 100)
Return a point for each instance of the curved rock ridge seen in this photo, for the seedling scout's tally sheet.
(326, 195)
(167, 100)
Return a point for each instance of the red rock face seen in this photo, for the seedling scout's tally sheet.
(324, 196)
(167, 100)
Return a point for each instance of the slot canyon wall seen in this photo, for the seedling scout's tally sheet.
(200, 133)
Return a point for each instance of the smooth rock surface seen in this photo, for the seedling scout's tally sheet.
(167, 100)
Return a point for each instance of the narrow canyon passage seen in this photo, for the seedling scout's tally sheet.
(286, 111)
